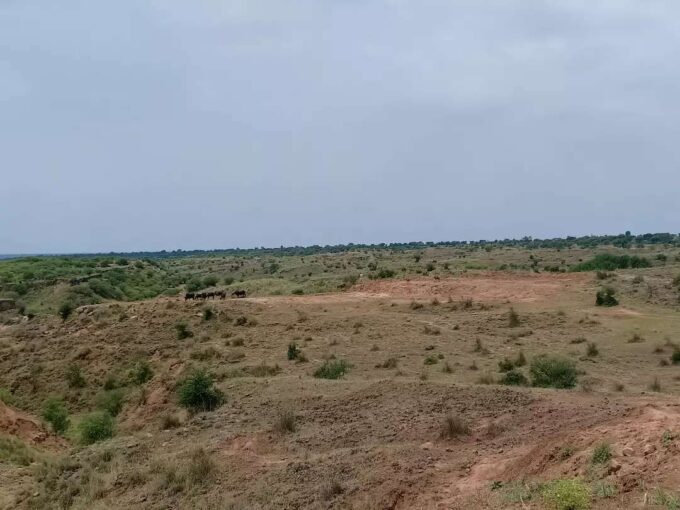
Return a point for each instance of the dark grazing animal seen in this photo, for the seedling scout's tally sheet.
(239, 293)
(189, 295)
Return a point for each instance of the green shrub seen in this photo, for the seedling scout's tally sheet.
(210, 281)
(194, 284)
(332, 369)
(675, 357)
(431, 360)
(521, 359)
(6, 396)
(55, 413)
(453, 426)
(602, 454)
(111, 401)
(96, 427)
(567, 495)
(65, 310)
(552, 372)
(141, 372)
(208, 313)
(74, 376)
(297, 292)
(183, 331)
(293, 351)
(198, 392)
(605, 297)
(514, 378)
(610, 262)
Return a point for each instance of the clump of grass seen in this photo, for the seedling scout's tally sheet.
(513, 318)
(446, 368)
(263, 370)
(578, 340)
(636, 338)
(65, 310)
(431, 360)
(141, 372)
(237, 342)
(473, 365)
(553, 372)
(618, 387)
(453, 426)
(16, 452)
(675, 357)
(55, 413)
(74, 376)
(286, 422)
(389, 363)
(602, 454)
(6, 396)
(521, 360)
(479, 347)
(96, 427)
(567, 495)
(428, 330)
(169, 421)
(331, 489)
(514, 378)
(183, 331)
(592, 350)
(415, 305)
(332, 369)
(655, 385)
(197, 392)
(201, 468)
(486, 379)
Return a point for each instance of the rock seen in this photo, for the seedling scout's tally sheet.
(627, 451)
(649, 449)
(614, 467)
(426, 446)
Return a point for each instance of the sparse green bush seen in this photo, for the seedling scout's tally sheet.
(505, 365)
(285, 422)
(210, 281)
(65, 310)
(332, 369)
(6, 396)
(675, 357)
(74, 376)
(552, 372)
(293, 351)
(602, 454)
(567, 495)
(198, 392)
(514, 378)
(183, 331)
(513, 318)
(605, 297)
(208, 313)
(521, 359)
(96, 427)
(141, 372)
(297, 292)
(55, 413)
(592, 350)
(431, 360)
(111, 401)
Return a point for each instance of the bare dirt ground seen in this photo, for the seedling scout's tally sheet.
(372, 439)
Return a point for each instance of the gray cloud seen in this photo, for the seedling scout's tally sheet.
(167, 124)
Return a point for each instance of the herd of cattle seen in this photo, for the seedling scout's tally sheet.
(220, 294)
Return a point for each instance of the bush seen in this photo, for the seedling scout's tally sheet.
(65, 310)
(505, 365)
(198, 393)
(602, 454)
(74, 377)
(96, 427)
(388, 363)
(285, 422)
(567, 495)
(513, 318)
(675, 357)
(332, 369)
(297, 292)
(55, 413)
(194, 284)
(183, 331)
(208, 313)
(111, 401)
(521, 359)
(293, 351)
(592, 350)
(453, 426)
(552, 372)
(210, 281)
(605, 297)
(141, 372)
(609, 262)
(514, 378)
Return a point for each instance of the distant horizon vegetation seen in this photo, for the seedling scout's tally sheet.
(620, 240)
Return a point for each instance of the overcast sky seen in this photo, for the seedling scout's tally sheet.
(145, 125)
